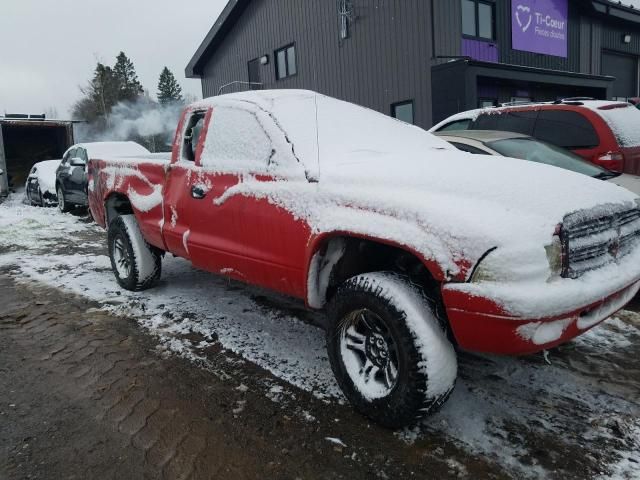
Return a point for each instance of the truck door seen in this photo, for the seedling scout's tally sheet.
(244, 235)
(179, 181)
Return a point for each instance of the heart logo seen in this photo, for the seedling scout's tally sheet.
(522, 12)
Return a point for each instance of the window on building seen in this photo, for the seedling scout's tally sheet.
(487, 102)
(403, 111)
(286, 65)
(478, 18)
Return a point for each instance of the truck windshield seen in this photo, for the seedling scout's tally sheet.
(540, 152)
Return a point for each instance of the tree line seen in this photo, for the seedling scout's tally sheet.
(114, 89)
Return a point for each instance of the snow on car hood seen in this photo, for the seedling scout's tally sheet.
(103, 150)
(474, 205)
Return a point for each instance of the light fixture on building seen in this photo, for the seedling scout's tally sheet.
(626, 38)
(264, 60)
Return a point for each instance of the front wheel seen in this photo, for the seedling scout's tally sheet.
(136, 264)
(387, 349)
(63, 206)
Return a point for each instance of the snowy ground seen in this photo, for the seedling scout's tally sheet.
(580, 412)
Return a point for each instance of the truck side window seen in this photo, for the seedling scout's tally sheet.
(192, 136)
(236, 142)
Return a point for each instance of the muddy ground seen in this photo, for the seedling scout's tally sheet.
(96, 383)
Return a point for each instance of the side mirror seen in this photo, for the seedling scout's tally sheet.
(1, 171)
(77, 162)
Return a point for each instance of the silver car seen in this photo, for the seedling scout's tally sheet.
(516, 145)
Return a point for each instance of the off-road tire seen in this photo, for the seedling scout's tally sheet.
(427, 363)
(145, 260)
(63, 205)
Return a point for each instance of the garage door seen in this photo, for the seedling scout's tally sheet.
(625, 69)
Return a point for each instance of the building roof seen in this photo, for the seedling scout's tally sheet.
(214, 38)
(234, 9)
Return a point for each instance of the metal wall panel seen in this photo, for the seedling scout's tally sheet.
(447, 30)
(387, 58)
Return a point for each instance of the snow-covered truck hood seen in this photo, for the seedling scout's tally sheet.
(466, 207)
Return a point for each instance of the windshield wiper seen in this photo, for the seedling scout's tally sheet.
(607, 175)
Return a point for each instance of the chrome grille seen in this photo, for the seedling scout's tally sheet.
(594, 238)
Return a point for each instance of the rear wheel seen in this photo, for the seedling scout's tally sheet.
(136, 264)
(387, 349)
(63, 206)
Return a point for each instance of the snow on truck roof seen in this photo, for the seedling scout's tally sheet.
(333, 132)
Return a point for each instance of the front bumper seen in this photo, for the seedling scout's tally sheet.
(481, 324)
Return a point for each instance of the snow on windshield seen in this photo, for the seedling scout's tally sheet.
(625, 124)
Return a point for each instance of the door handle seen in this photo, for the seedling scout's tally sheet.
(198, 193)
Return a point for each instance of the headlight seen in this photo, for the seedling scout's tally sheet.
(524, 262)
(483, 271)
(554, 256)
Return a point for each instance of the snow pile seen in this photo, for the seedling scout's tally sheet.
(45, 172)
(27, 228)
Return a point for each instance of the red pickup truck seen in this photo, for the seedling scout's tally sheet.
(414, 248)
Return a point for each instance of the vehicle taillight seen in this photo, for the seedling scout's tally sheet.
(611, 161)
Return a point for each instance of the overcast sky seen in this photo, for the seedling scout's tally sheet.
(48, 48)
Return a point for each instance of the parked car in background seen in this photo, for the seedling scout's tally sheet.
(71, 176)
(40, 188)
(409, 245)
(603, 132)
(517, 145)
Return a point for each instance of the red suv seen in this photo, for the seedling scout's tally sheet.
(603, 132)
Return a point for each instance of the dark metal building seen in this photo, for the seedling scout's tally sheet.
(422, 60)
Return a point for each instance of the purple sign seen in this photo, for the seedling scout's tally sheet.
(540, 26)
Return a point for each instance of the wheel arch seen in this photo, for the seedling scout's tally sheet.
(337, 256)
(115, 205)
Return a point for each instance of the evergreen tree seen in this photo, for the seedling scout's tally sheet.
(100, 95)
(169, 91)
(130, 87)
